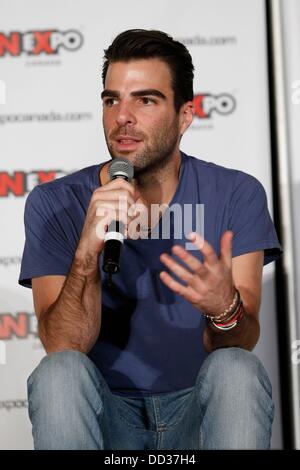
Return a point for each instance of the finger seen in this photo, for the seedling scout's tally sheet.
(207, 250)
(118, 183)
(176, 268)
(106, 210)
(191, 261)
(226, 248)
(186, 292)
(113, 205)
(121, 196)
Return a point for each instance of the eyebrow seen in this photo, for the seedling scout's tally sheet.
(146, 92)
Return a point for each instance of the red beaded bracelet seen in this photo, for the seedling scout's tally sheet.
(232, 321)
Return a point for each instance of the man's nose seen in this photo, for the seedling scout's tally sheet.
(125, 114)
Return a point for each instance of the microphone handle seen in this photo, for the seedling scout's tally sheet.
(114, 239)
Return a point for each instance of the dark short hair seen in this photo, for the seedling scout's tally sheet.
(146, 44)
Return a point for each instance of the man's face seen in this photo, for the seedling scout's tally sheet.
(139, 119)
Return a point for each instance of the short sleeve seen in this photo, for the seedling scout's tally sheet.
(47, 250)
(250, 220)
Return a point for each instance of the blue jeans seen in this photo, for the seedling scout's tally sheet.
(229, 407)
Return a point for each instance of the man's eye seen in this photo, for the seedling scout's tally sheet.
(147, 100)
(109, 102)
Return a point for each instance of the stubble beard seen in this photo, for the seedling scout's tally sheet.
(154, 156)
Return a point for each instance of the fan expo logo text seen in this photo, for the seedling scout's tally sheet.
(34, 43)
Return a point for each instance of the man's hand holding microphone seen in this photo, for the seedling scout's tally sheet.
(73, 321)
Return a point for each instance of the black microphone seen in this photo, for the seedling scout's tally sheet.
(114, 237)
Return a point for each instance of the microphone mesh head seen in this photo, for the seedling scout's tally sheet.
(121, 167)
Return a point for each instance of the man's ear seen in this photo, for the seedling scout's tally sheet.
(187, 112)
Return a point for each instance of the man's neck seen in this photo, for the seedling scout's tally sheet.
(159, 186)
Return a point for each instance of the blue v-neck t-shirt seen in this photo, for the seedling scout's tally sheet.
(151, 338)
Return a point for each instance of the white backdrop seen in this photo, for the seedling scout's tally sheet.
(51, 125)
(291, 21)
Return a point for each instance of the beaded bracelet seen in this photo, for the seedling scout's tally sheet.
(231, 317)
(231, 309)
(229, 325)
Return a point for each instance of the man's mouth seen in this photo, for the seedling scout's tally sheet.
(127, 142)
(127, 139)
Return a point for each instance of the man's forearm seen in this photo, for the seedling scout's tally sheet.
(244, 335)
(73, 321)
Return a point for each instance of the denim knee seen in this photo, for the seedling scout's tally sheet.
(58, 366)
(234, 396)
(234, 370)
(61, 374)
(66, 402)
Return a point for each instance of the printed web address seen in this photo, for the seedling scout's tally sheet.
(44, 117)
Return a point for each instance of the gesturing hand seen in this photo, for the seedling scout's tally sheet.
(208, 285)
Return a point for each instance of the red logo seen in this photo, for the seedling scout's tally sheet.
(18, 183)
(39, 42)
(19, 326)
(206, 103)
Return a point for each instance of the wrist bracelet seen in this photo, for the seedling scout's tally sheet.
(230, 310)
(231, 317)
(231, 324)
